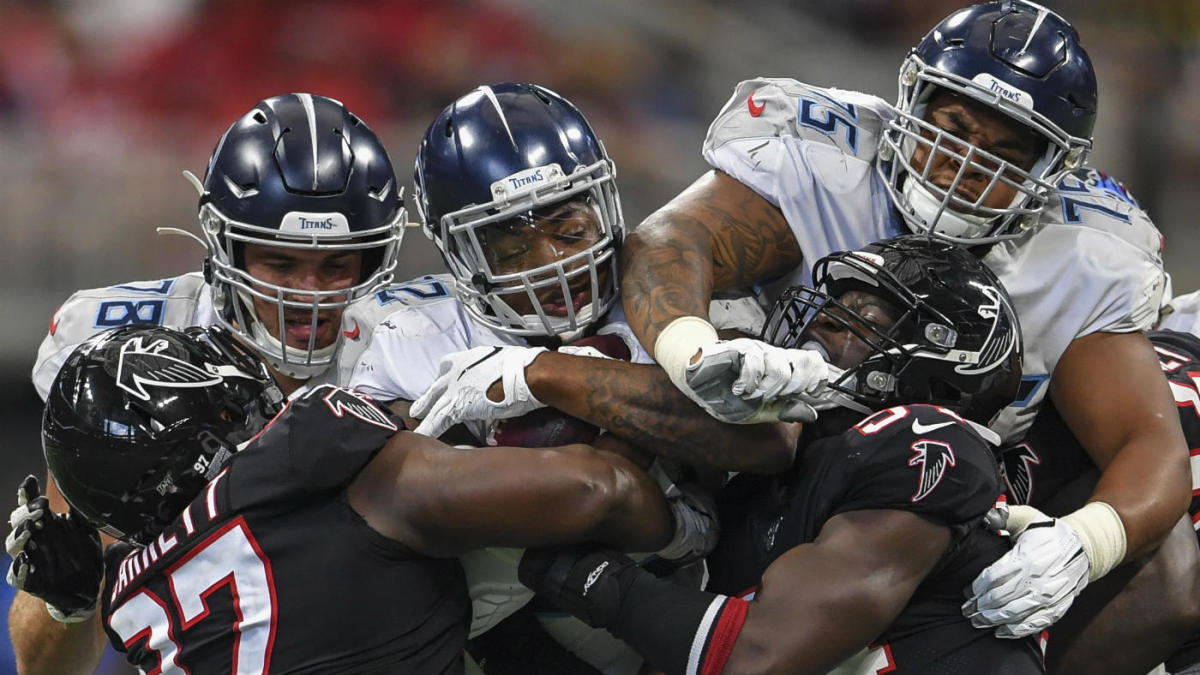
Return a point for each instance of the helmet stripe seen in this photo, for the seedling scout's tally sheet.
(310, 115)
(491, 96)
(1037, 23)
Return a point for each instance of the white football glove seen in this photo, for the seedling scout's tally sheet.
(695, 515)
(460, 391)
(747, 381)
(584, 350)
(1034, 584)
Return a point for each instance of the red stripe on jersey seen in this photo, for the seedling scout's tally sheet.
(1194, 461)
(720, 645)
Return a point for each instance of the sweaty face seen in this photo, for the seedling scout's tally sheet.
(986, 129)
(545, 237)
(301, 270)
(842, 346)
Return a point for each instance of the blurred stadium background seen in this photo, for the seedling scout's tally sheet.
(103, 104)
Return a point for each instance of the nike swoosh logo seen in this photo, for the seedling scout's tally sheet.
(755, 110)
(352, 334)
(920, 429)
(54, 325)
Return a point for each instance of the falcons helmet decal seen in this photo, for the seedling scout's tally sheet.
(141, 365)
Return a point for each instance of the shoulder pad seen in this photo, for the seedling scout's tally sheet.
(424, 290)
(330, 433)
(777, 108)
(165, 302)
(1092, 200)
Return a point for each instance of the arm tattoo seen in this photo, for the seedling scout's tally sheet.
(717, 235)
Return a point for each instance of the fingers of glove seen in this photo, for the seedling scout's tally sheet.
(996, 518)
(810, 371)
(696, 529)
(29, 512)
(1031, 626)
(586, 350)
(752, 368)
(1018, 608)
(420, 407)
(18, 572)
(15, 542)
(777, 374)
(435, 423)
(1018, 594)
(28, 490)
(1021, 516)
(1001, 577)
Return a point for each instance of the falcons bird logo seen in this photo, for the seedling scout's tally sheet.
(935, 458)
(1016, 466)
(342, 401)
(141, 365)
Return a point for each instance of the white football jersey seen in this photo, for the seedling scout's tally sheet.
(401, 363)
(1182, 313)
(1091, 264)
(187, 301)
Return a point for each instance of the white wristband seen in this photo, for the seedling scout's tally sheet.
(679, 342)
(1102, 534)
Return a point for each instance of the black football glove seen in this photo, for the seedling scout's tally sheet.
(589, 584)
(56, 557)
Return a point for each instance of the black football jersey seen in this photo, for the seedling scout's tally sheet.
(917, 458)
(270, 570)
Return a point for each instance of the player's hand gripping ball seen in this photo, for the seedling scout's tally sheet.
(548, 427)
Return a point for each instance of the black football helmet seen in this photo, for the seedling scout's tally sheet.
(510, 153)
(140, 418)
(956, 342)
(299, 171)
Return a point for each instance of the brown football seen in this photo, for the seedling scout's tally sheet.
(548, 427)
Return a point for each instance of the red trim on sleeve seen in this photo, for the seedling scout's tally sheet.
(720, 645)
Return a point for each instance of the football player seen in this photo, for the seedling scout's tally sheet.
(987, 147)
(1148, 610)
(301, 216)
(856, 557)
(519, 195)
(174, 442)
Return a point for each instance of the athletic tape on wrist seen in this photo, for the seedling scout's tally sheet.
(1102, 534)
(679, 342)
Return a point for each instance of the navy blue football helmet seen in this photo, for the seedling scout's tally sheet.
(1019, 59)
(504, 160)
(140, 418)
(298, 171)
